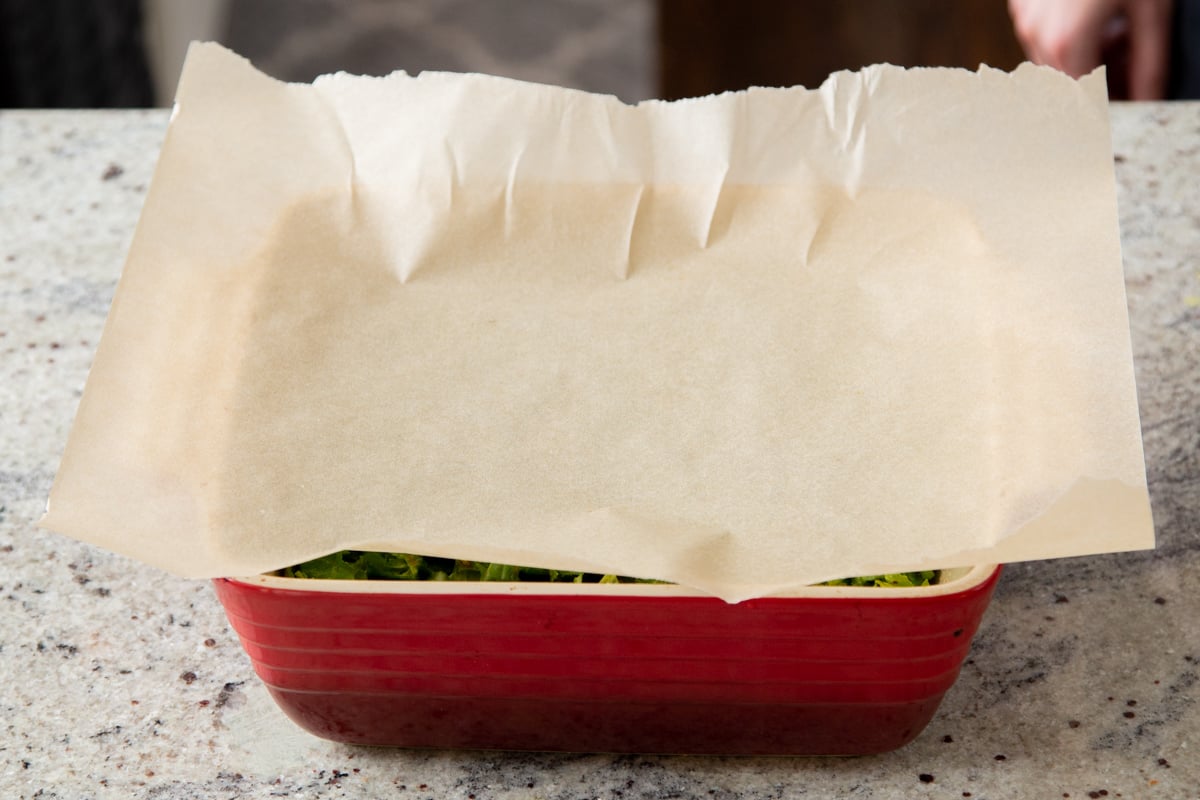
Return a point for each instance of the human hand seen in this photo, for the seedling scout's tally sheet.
(1076, 36)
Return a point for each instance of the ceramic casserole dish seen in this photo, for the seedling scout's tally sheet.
(608, 668)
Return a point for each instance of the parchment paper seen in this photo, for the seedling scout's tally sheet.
(744, 343)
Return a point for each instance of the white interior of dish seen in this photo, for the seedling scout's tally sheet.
(951, 580)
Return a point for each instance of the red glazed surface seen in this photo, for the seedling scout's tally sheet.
(828, 673)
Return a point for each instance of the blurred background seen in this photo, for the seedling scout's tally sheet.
(127, 53)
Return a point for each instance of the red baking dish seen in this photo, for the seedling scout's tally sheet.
(608, 668)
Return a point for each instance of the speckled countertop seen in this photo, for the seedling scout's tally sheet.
(117, 680)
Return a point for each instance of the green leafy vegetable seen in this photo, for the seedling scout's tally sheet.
(895, 580)
(362, 565)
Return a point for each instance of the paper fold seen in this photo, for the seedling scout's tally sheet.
(744, 342)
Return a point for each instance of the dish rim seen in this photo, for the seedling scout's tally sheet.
(956, 579)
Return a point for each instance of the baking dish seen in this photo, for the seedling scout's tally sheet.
(608, 668)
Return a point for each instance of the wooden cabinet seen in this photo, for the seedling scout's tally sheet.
(708, 46)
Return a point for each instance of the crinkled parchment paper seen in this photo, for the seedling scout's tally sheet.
(745, 343)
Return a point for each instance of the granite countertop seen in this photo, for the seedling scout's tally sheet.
(117, 680)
